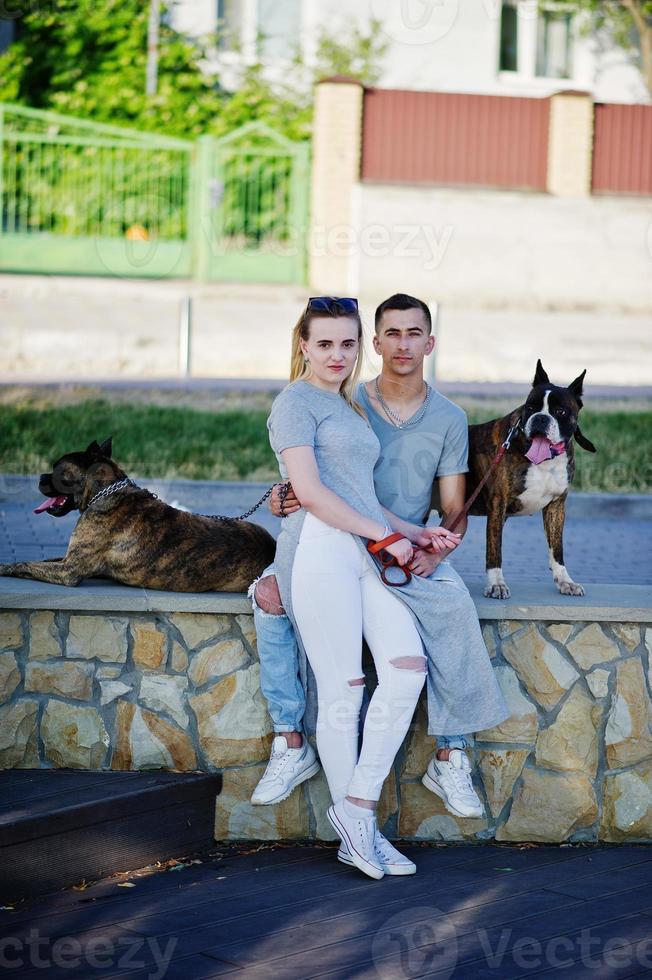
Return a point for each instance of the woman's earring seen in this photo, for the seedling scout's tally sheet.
(306, 360)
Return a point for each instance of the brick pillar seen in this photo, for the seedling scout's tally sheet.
(337, 143)
(570, 144)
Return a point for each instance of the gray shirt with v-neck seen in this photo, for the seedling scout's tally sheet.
(411, 458)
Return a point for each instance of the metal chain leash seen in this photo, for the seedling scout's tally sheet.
(122, 484)
(242, 517)
(110, 489)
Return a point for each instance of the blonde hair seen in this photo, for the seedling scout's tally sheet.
(300, 370)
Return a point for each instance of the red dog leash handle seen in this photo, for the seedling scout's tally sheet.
(377, 546)
(389, 561)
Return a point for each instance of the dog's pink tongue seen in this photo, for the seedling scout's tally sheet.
(50, 502)
(539, 450)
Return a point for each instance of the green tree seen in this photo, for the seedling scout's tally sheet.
(90, 59)
(627, 22)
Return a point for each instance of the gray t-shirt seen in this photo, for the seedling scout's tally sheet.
(411, 459)
(345, 446)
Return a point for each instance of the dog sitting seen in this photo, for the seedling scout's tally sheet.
(535, 473)
(125, 533)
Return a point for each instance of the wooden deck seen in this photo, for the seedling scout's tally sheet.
(59, 826)
(294, 912)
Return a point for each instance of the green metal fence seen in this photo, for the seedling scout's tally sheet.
(255, 218)
(90, 199)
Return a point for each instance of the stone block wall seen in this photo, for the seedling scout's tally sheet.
(180, 690)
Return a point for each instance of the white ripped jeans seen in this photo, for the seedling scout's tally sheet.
(336, 597)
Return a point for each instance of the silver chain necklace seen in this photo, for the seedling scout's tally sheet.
(111, 488)
(396, 419)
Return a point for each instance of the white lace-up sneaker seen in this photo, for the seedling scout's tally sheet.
(391, 861)
(358, 836)
(451, 780)
(285, 770)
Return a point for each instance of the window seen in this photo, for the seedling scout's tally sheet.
(554, 44)
(279, 24)
(508, 36)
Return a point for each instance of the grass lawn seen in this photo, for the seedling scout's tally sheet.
(170, 434)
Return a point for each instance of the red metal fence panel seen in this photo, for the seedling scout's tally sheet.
(442, 138)
(622, 149)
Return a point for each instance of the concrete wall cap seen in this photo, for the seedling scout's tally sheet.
(340, 80)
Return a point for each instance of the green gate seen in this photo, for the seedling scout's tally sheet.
(89, 199)
(254, 211)
(84, 198)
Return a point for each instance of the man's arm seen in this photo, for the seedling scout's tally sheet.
(452, 491)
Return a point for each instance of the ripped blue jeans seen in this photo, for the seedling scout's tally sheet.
(279, 674)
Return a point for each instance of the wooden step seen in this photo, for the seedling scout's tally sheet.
(60, 826)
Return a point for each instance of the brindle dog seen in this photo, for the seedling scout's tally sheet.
(128, 535)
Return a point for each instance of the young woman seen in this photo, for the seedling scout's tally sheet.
(330, 585)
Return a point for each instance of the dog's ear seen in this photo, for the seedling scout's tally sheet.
(95, 449)
(576, 388)
(540, 376)
(583, 441)
(106, 446)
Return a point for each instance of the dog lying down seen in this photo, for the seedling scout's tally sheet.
(125, 533)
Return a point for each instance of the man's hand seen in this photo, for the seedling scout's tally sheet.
(280, 507)
(438, 539)
(424, 562)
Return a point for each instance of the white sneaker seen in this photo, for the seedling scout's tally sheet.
(285, 770)
(358, 836)
(391, 861)
(451, 781)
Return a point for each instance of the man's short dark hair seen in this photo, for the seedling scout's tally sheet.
(401, 301)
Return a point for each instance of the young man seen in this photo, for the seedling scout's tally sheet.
(423, 438)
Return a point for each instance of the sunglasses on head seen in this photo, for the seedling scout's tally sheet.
(334, 305)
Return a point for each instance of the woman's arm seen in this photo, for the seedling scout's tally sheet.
(410, 531)
(322, 502)
(437, 538)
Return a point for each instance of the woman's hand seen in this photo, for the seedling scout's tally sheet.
(401, 550)
(438, 539)
(283, 508)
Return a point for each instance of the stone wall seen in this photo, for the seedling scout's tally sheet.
(180, 690)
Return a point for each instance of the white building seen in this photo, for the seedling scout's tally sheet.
(486, 47)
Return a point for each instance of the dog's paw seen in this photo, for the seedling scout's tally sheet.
(497, 591)
(570, 588)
